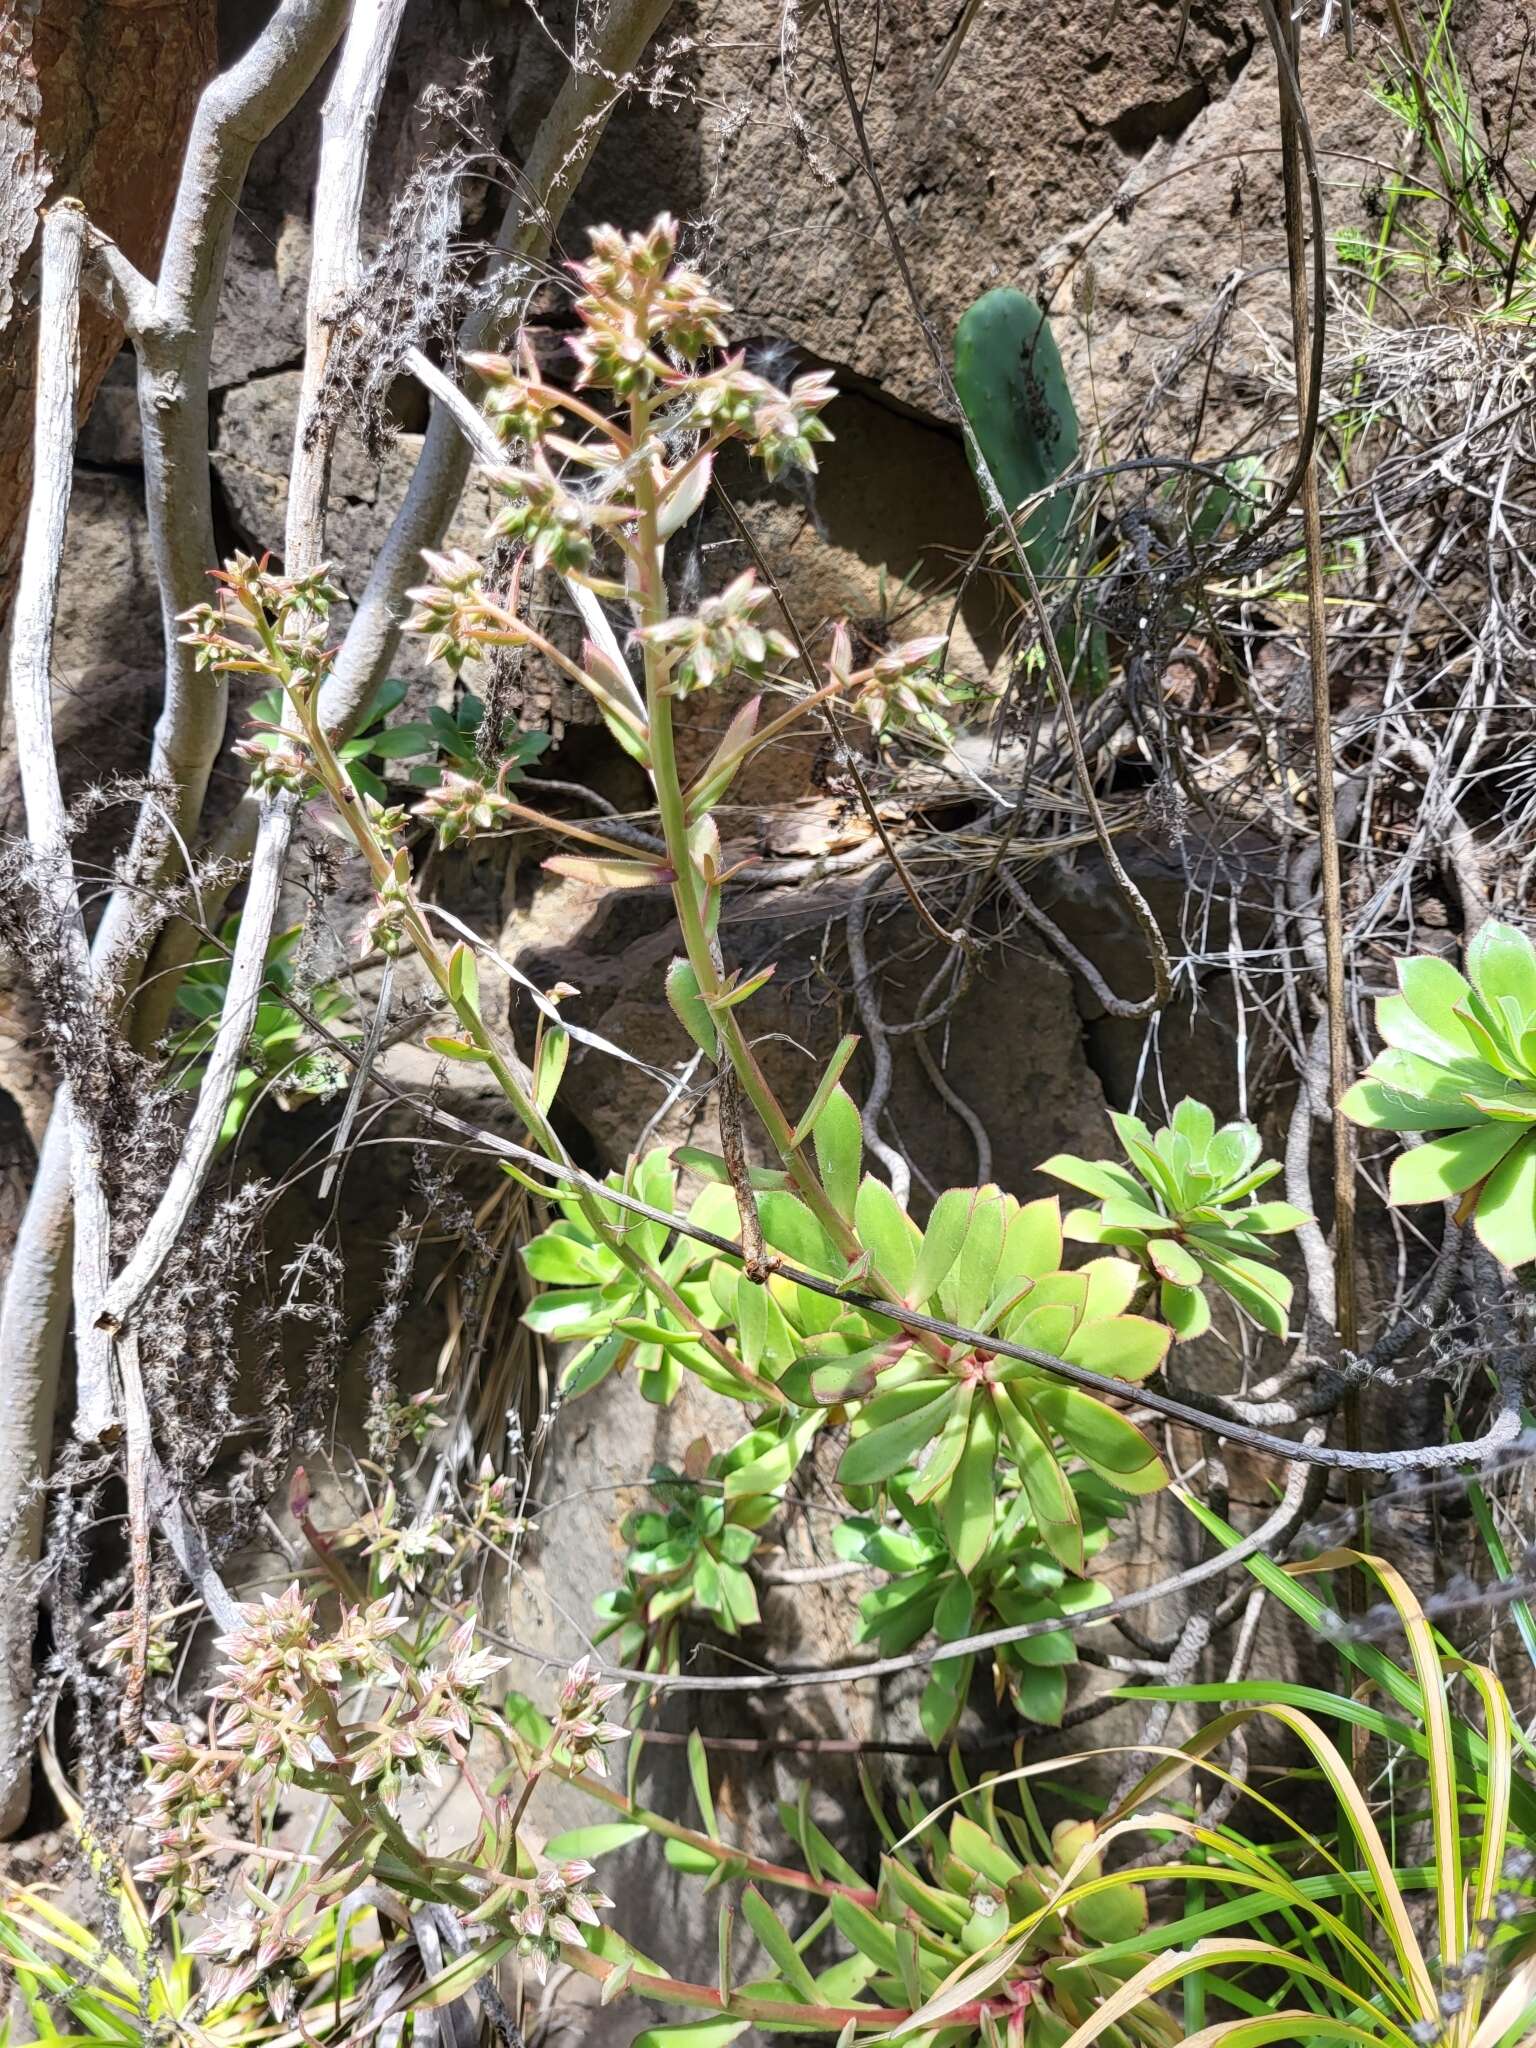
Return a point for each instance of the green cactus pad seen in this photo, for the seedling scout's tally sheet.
(1010, 381)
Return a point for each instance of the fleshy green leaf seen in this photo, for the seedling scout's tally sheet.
(1095, 1431)
(1376, 1106)
(832, 1073)
(1447, 1166)
(1506, 1214)
(887, 1233)
(943, 1697)
(949, 1222)
(1171, 1262)
(791, 1229)
(560, 1259)
(1055, 1504)
(1259, 1291)
(1032, 1246)
(690, 1008)
(786, 1958)
(882, 1452)
(775, 1465)
(968, 1285)
(1094, 1177)
(599, 1840)
(839, 1141)
(1039, 1692)
(1434, 991)
(969, 1500)
(1125, 1347)
(1185, 1310)
(464, 978)
(691, 2033)
(1270, 1219)
(1501, 963)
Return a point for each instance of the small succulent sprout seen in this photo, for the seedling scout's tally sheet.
(1118, 1914)
(517, 403)
(206, 632)
(689, 1552)
(1460, 1061)
(620, 265)
(1017, 1581)
(1182, 1207)
(296, 601)
(721, 639)
(451, 609)
(786, 431)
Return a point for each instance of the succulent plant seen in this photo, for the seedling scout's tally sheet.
(952, 1893)
(1460, 1060)
(282, 1056)
(1017, 1581)
(957, 1410)
(1182, 1208)
(1011, 384)
(591, 1298)
(688, 1551)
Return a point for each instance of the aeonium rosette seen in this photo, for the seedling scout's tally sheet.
(1461, 1063)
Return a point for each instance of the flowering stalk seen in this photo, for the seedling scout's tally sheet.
(287, 619)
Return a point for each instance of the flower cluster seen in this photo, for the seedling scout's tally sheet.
(278, 761)
(721, 639)
(248, 1943)
(909, 689)
(386, 926)
(636, 301)
(555, 524)
(281, 1676)
(560, 1905)
(453, 610)
(188, 1782)
(580, 1728)
(279, 1712)
(116, 1634)
(260, 623)
(493, 1505)
(517, 404)
(432, 1710)
(780, 428)
(645, 322)
(280, 1652)
(403, 1552)
(461, 806)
